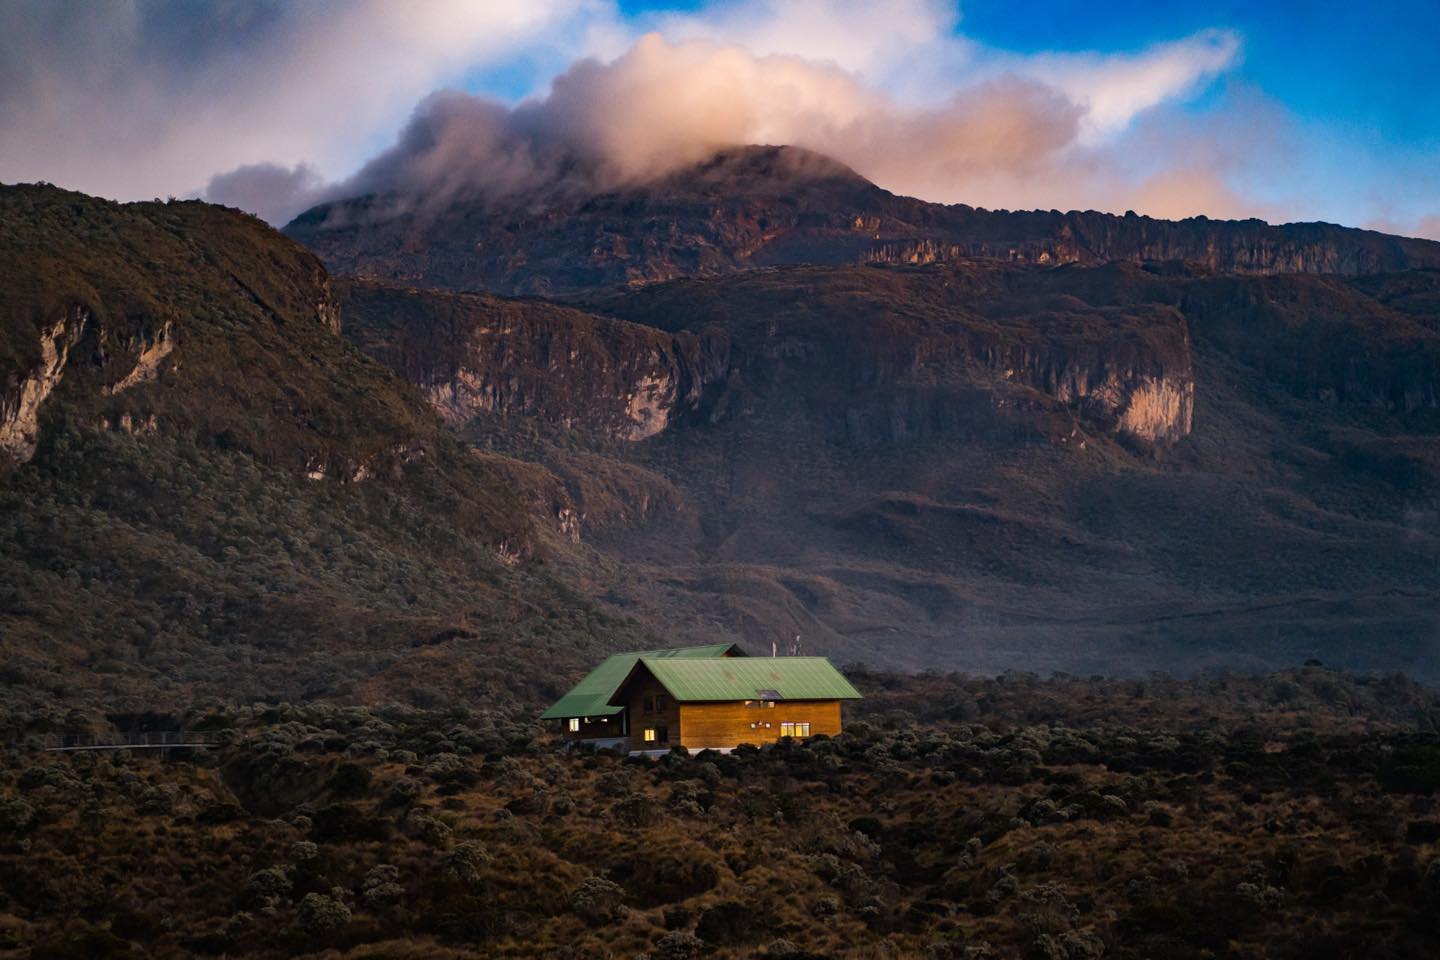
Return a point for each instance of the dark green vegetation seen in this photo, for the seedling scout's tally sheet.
(1287, 816)
(226, 500)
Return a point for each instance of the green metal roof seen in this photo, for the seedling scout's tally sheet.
(752, 678)
(591, 696)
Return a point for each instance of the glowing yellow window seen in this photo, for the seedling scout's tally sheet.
(574, 724)
(802, 729)
(649, 734)
(787, 729)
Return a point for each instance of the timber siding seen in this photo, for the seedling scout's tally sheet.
(592, 728)
(727, 723)
(667, 718)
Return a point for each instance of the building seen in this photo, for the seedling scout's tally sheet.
(711, 697)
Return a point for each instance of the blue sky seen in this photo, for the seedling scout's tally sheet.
(1355, 82)
(1317, 110)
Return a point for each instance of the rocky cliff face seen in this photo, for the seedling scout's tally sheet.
(877, 357)
(768, 206)
(473, 355)
(30, 386)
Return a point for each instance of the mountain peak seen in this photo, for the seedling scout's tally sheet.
(764, 168)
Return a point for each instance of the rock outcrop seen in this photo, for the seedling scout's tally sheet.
(877, 357)
(767, 206)
(29, 388)
(474, 355)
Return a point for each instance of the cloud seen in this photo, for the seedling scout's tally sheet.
(153, 97)
(1114, 89)
(876, 41)
(1009, 139)
(269, 190)
(271, 106)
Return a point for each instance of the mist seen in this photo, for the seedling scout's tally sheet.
(1006, 140)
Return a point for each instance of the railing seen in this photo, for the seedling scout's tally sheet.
(158, 740)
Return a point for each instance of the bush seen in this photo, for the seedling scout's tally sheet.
(320, 914)
(464, 862)
(349, 780)
(678, 945)
(266, 888)
(598, 901)
(16, 815)
(635, 811)
(381, 885)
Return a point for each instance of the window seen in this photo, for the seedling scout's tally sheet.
(787, 729)
(794, 729)
(649, 704)
(802, 729)
(649, 734)
(574, 724)
(659, 702)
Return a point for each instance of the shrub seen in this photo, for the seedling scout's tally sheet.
(678, 945)
(464, 862)
(597, 901)
(635, 811)
(380, 885)
(320, 914)
(349, 780)
(16, 815)
(266, 888)
(1046, 910)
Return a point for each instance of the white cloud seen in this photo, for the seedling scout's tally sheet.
(143, 99)
(269, 98)
(1115, 88)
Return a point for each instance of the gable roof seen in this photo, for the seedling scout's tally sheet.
(753, 678)
(591, 696)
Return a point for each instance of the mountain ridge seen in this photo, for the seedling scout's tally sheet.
(769, 206)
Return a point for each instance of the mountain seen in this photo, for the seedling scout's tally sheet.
(229, 476)
(778, 401)
(977, 464)
(207, 494)
(771, 206)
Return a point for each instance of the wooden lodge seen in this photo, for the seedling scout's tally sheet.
(711, 697)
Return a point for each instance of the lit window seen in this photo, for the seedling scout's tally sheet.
(787, 729)
(770, 703)
(574, 724)
(754, 725)
(802, 729)
(649, 734)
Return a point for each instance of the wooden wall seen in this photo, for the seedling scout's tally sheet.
(595, 727)
(668, 717)
(728, 724)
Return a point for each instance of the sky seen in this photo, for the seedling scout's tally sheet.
(1285, 111)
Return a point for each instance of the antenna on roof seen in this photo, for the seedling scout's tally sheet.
(773, 652)
(795, 646)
